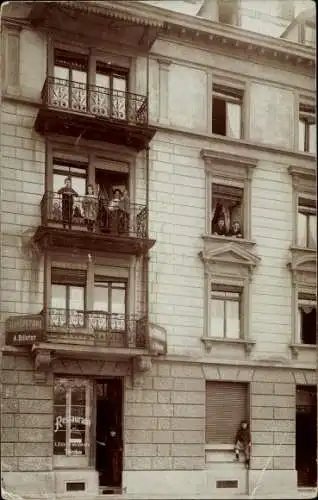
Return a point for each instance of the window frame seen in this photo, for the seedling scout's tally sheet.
(306, 116)
(307, 210)
(112, 279)
(229, 94)
(227, 183)
(76, 461)
(221, 289)
(302, 302)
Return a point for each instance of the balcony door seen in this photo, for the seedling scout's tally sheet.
(109, 97)
(110, 304)
(69, 90)
(67, 298)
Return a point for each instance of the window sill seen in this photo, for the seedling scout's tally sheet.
(296, 248)
(295, 348)
(208, 343)
(213, 238)
(219, 447)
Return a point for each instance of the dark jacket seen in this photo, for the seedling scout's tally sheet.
(243, 435)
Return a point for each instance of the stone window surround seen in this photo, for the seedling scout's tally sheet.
(302, 264)
(109, 157)
(229, 167)
(242, 261)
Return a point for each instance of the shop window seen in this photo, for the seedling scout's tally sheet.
(226, 407)
(307, 223)
(307, 130)
(71, 424)
(307, 325)
(227, 210)
(225, 312)
(227, 112)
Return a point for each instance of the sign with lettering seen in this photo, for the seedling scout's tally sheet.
(20, 339)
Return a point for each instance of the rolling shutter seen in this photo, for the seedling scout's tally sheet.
(226, 406)
(64, 276)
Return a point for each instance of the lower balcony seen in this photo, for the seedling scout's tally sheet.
(119, 333)
(93, 224)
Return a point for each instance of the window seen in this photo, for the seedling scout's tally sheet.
(76, 172)
(225, 312)
(70, 80)
(67, 298)
(226, 216)
(308, 34)
(111, 101)
(228, 11)
(71, 420)
(307, 130)
(227, 112)
(307, 326)
(307, 223)
(227, 405)
(110, 296)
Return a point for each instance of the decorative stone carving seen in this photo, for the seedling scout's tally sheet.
(141, 366)
(157, 340)
(208, 343)
(43, 360)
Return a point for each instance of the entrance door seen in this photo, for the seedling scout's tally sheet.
(306, 435)
(109, 441)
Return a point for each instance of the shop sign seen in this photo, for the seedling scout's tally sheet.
(21, 339)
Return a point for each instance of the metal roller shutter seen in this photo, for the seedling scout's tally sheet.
(226, 405)
(63, 276)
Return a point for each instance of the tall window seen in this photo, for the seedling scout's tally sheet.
(67, 298)
(71, 420)
(226, 216)
(226, 406)
(70, 80)
(110, 96)
(225, 312)
(227, 112)
(307, 223)
(307, 325)
(110, 296)
(307, 141)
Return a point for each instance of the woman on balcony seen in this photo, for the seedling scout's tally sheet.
(90, 207)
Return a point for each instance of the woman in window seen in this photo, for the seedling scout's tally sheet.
(90, 207)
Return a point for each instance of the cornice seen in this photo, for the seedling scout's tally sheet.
(210, 155)
(309, 171)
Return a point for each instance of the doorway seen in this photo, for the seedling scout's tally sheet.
(306, 436)
(109, 435)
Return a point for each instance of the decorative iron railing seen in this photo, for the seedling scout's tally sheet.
(95, 214)
(91, 327)
(94, 100)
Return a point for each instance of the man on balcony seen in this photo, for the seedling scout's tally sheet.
(68, 194)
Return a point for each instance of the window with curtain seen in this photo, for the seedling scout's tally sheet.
(225, 312)
(307, 223)
(70, 80)
(226, 215)
(227, 112)
(307, 326)
(307, 139)
(71, 418)
(227, 404)
(110, 296)
(67, 309)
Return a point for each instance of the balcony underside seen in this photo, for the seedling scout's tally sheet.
(93, 128)
(52, 237)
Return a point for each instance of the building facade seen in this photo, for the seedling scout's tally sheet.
(158, 252)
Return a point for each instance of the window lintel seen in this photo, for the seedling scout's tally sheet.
(230, 253)
(308, 172)
(227, 160)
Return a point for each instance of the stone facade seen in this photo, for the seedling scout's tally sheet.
(164, 418)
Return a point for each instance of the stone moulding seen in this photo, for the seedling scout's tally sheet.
(209, 342)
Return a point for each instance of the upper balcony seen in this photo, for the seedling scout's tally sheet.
(90, 223)
(94, 113)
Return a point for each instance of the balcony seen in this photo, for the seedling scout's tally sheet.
(79, 328)
(92, 224)
(94, 113)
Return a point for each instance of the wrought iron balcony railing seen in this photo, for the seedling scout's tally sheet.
(94, 100)
(72, 326)
(94, 214)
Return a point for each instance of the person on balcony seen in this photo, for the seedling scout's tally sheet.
(90, 207)
(67, 193)
(103, 202)
(114, 210)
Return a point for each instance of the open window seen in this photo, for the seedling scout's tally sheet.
(307, 139)
(307, 325)
(227, 213)
(307, 222)
(227, 111)
(225, 312)
(71, 422)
